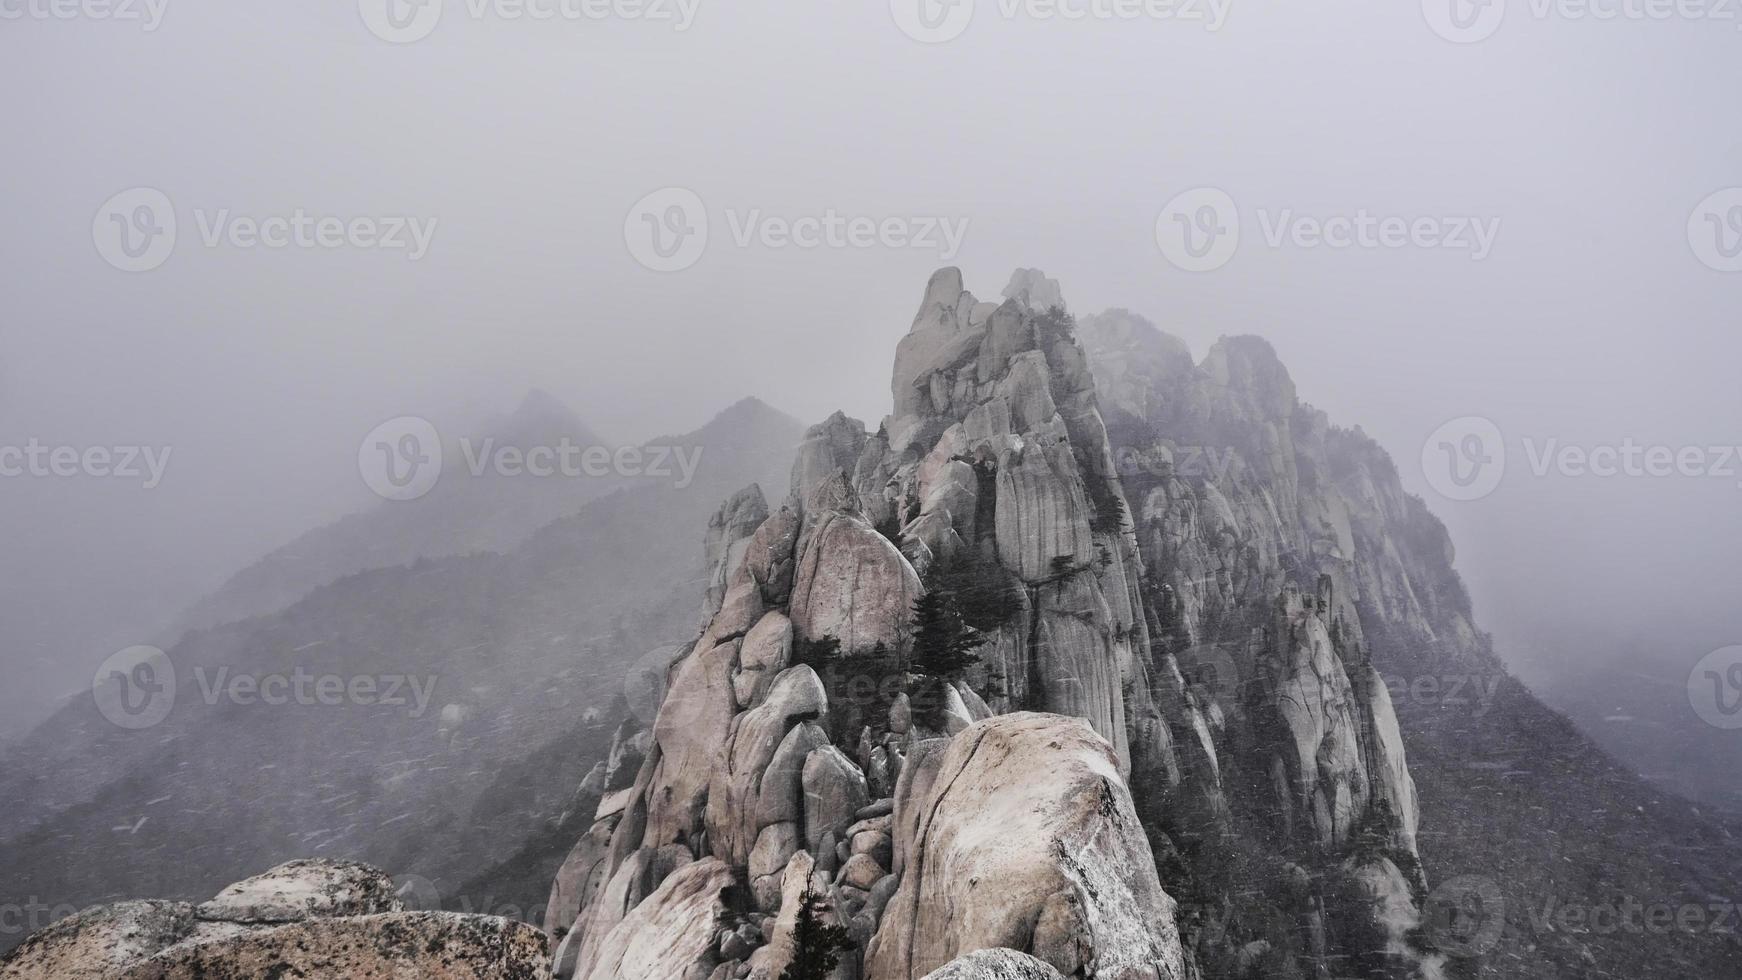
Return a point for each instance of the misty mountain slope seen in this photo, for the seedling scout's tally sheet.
(1232, 480)
(513, 651)
(460, 514)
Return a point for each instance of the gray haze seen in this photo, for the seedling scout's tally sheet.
(1059, 142)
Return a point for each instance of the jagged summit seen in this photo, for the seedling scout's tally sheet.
(805, 741)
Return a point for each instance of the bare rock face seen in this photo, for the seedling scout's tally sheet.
(728, 539)
(319, 918)
(300, 890)
(668, 934)
(853, 585)
(581, 876)
(996, 964)
(99, 943)
(1028, 840)
(734, 815)
(432, 945)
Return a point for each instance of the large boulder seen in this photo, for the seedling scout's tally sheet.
(426, 945)
(670, 933)
(728, 539)
(1027, 839)
(853, 584)
(744, 756)
(305, 889)
(99, 942)
(996, 964)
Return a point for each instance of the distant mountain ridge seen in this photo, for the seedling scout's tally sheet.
(520, 648)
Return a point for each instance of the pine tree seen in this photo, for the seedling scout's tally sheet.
(817, 945)
(943, 645)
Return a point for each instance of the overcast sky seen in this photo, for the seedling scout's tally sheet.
(1589, 317)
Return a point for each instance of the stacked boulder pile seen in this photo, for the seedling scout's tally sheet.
(301, 919)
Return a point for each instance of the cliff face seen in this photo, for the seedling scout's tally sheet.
(801, 741)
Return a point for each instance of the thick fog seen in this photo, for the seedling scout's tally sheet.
(519, 147)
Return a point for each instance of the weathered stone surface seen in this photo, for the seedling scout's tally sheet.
(771, 555)
(694, 723)
(782, 795)
(728, 539)
(1028, 840)
(1043, 515)
(303, 889)
(669, 933)
(996, 964)
(581, 876)
(433, 945)
(829, 447)
(768, 962)
(862, 871)
(766, 651)
(853, 585)
(1324, 787)
(743, 759)
(100, 942)
(834, 790)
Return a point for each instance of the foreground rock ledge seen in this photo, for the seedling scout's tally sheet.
(309, 919)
